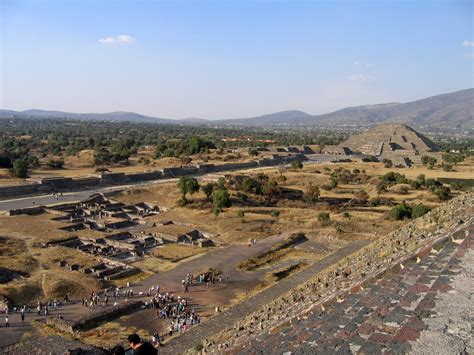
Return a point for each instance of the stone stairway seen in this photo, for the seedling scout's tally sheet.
(381, 316)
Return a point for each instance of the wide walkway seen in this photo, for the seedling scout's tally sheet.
(223, 259)
(228, 318)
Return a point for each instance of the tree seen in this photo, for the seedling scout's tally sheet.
(333, 182)
(270, 188)
(220, 199)
(401, 211)
(443, 193)
(447, 167)
(20, 168)
(208, 188)
(253, 152)
(250, 185)
(312, 194)
(297, 164)
(187, 185)
(430, 161)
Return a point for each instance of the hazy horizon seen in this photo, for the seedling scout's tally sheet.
(222, 60)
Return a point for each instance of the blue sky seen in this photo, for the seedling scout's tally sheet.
(223, 59)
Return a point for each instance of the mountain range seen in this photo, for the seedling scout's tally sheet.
(452, 111)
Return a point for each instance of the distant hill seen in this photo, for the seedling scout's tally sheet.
(452, 111)
(119, 116)
(283, 117)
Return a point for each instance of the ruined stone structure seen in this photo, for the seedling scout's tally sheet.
(397, 142)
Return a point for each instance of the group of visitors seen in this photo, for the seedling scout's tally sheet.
(41, 310)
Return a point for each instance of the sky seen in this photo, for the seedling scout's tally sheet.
(228, 59)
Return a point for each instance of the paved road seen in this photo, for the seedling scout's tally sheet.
(228, 318)
(45, 200)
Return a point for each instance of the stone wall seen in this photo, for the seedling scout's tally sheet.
(59, 184)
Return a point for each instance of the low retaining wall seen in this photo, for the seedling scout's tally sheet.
(107, 314)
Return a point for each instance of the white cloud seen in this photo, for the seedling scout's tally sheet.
(469, 55)
(467, 43)
(120, 39)
(361, 77)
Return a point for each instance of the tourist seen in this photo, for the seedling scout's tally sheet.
(22, 316)
(7, 321)
(139, 347)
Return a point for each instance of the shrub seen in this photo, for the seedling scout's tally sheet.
(20, 168)
(401, 211)
(312, 194)
(275, 213)
(346, 215)
(419, 210)
(297, 165)
(443, 193)
(324, 216)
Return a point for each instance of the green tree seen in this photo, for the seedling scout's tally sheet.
(220, 199)
(187, 185)
(443, 193)
(401, 211)
(297, 165)
(20, 168)
(208, 188)
(312, 194)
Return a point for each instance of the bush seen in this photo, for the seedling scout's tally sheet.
(324, 216)
(275, 213)
(346, 215)
(313, 193)
(443, 193)
(20, 168)
(419, 210)
(297, 165)
(401, 211)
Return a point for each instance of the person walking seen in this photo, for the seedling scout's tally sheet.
(7, 322)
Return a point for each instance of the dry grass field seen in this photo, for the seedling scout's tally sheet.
(40, 277)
